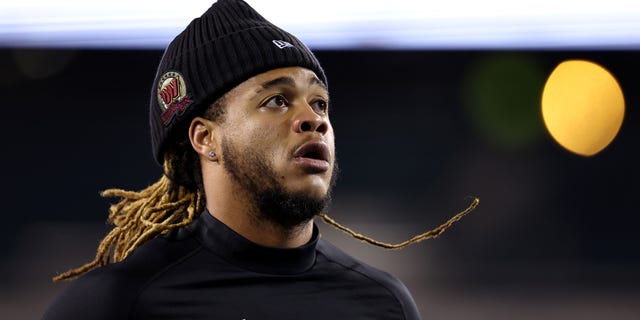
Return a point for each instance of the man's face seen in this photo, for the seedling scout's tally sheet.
(278, 144)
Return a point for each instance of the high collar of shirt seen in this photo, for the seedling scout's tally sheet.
(239, 251)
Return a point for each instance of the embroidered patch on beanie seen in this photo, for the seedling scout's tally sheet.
(172, 96)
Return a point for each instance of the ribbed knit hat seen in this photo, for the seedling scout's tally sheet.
(227, 45)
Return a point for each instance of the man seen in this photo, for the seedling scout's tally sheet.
(240, 122)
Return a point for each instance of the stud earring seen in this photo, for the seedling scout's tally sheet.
(212, 154)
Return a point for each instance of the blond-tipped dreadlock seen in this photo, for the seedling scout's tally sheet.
(423, 236)
(141, 216)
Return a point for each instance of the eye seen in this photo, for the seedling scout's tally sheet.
(277, 101)
(320, 106)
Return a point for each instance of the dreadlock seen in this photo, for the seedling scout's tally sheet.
(177, 199)
(433, 233)
(174, 201)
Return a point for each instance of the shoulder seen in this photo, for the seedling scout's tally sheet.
(99, 294)
(111, 291)
(347, 262)
(373, 276)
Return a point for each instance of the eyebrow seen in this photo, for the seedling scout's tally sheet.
(317, 81)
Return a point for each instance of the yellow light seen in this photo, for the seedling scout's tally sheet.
(582, 106)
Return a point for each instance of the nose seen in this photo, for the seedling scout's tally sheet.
(309, 121)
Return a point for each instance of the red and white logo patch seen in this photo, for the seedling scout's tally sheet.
(172, 96)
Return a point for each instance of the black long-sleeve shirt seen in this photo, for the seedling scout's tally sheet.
(207, 271)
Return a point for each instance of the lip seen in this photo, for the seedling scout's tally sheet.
(313, 156)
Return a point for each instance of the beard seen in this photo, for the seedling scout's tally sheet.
(272, 202)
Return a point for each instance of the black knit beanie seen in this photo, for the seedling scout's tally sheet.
(227, 45)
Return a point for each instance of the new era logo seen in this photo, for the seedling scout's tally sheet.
(281, 44)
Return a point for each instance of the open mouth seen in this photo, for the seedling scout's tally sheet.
(313, 150)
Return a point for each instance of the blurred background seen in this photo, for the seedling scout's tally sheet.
(431, 103)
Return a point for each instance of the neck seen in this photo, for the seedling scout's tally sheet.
(271, 234)
(261, 231)
(232, 209)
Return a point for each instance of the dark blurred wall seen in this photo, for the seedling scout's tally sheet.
(410, 144)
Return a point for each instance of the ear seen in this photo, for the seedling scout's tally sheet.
(203, 137)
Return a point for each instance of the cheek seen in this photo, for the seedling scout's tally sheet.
(267, 141)
(248, 133)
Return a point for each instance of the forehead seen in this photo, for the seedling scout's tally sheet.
(291, 76)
